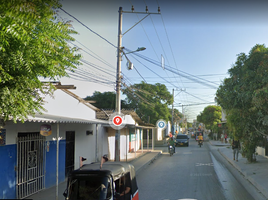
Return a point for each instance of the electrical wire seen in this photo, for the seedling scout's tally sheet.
(179, 72)
(88, 27)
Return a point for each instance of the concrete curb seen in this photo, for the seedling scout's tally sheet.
(223, 145)
(139, 156)
(251, 180)
(148, 162)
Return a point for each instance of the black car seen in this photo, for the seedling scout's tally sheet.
(182, 140)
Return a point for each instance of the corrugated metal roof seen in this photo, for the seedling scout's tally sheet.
(104, 115)
(61, 119)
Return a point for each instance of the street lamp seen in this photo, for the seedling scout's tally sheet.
(129, 63)
(139, 49)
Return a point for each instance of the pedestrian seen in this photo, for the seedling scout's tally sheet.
(170, 134)
(225, 137)
(222, 136)
(236, 147)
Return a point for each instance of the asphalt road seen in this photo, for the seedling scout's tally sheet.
(193, 173)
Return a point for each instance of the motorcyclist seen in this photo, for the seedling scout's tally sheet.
(171, 143)
(200, 138)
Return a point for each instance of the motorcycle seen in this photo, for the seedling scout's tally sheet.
(171, 150)
(200, 142)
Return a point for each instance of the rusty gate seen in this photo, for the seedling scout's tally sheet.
(30, 164)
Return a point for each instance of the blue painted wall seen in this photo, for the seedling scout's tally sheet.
(50, 176)
(8, 160)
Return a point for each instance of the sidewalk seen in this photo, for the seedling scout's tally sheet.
(139, 160)
(256, 173)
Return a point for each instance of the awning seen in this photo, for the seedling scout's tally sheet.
(45, 118)
(132, 126)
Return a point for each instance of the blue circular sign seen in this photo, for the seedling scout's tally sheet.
(161, 124)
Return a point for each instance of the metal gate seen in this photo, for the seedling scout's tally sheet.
(30, 164)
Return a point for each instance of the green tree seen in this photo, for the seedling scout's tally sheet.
(33, 44)
(244, 97)
(149, 101)
(189, 125)
(105, 100)
(177, 116)
(210, 116)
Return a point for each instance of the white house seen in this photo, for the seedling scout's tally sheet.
(30, 158)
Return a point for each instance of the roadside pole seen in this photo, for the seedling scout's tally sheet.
(172, 125)
(118, 71)
(118, 84)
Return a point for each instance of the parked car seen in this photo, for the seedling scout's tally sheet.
(182, 140)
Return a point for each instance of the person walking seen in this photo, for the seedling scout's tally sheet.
(236, 147)
(225, 137)
(222, 136)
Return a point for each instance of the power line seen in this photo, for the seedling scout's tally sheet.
(98, 57)
(194, 104)
(88, 27)
(178, 72)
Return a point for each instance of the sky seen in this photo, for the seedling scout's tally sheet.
(199, 41)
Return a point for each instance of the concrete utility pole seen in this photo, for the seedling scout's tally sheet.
(172, 124)
(118, 84)
(118, 71)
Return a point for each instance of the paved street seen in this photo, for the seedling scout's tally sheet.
(193, 173)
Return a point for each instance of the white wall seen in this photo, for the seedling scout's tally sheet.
(124, 143)
(223, 115)
(84, 144)
(64, 105)
(102, 142)
(129, 120)
(159, 134)
(260, 151)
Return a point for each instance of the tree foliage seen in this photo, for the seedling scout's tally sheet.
(244, 97)
(210, 116)
(177, 116)
(105, 100)
(33, 44)
(149, 101)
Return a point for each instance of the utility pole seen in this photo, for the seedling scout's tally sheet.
(172, 124)
(118, 84)
(118, 71)
(148, 138)
(182, 114)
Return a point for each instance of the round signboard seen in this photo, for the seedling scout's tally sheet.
(117, 121)
(161, 124)
(45, 130)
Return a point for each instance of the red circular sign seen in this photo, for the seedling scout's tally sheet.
(117, 120)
